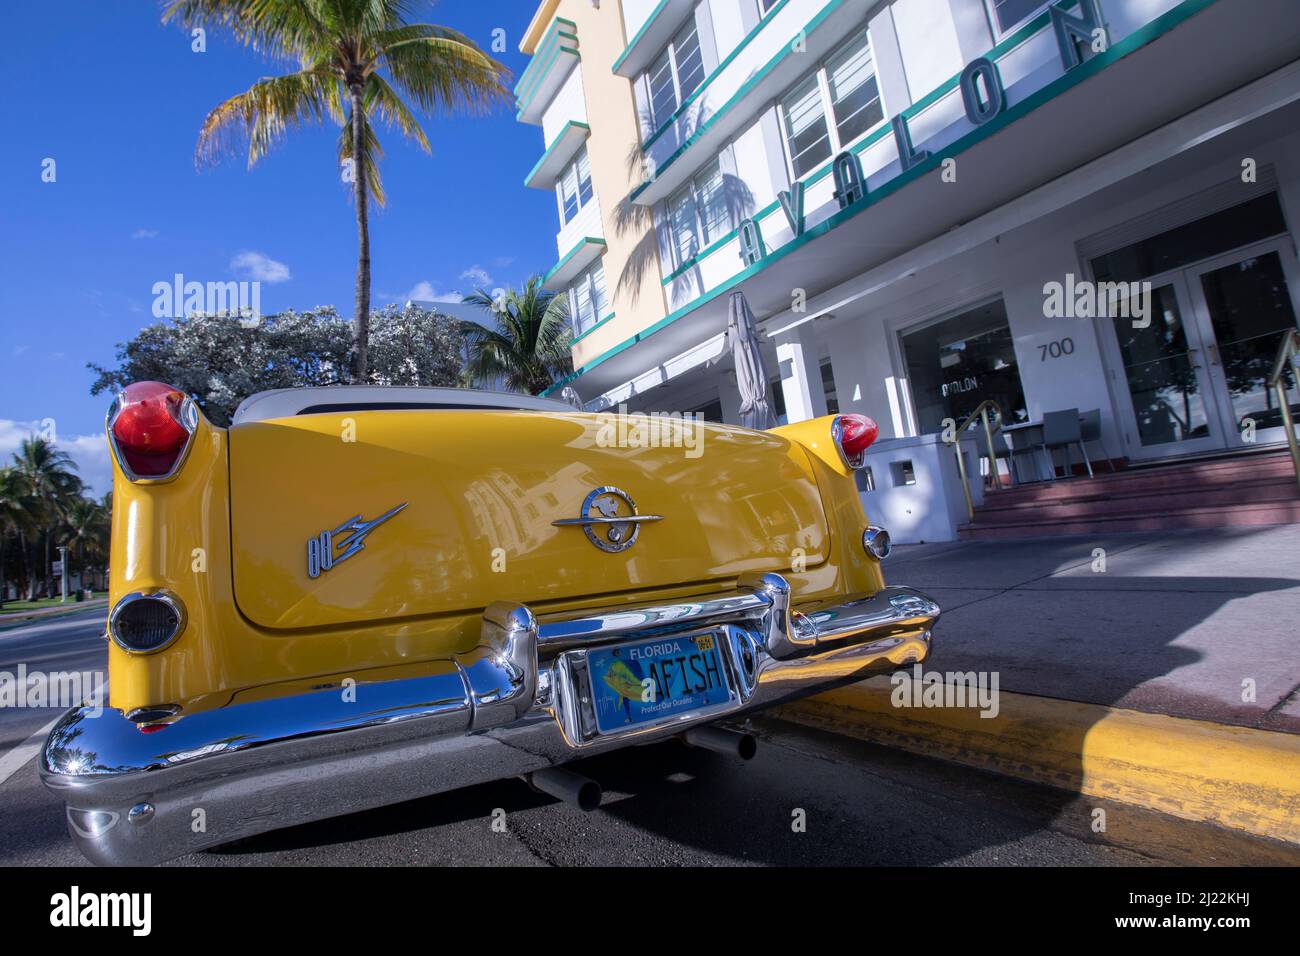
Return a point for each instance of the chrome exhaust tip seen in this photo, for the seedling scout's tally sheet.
(583, 792)
(731, 742)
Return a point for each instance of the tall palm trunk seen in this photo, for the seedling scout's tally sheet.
(361, 324)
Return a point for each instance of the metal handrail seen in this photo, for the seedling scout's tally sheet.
(982, 413)
(1287, 350)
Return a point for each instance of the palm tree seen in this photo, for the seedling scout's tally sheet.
(16, 510)
(84, 532)
(48, 476)
(529, 347)
(361, 53)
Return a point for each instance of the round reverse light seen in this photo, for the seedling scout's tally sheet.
(875, 541)
(144, 623)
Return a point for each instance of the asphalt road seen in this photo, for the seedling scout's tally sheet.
(664, 805)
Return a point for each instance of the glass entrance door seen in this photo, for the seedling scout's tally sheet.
(1196, 378)
(1245, 305)
(1169, 391)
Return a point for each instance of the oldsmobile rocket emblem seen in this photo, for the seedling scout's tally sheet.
(327, 550)
(609, 519)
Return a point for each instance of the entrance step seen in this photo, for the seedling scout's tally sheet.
(1247, 490)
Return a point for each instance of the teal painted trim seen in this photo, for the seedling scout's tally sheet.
(524, 108)
(703, 254)
(554, 54)
(678, 113)
(551, 149)
(740, 94)
(1007, 45)
(593, 328)
(1134, 41)
(539, 66)
(659, 8)
(547, 41)
(884, 130)
(586, 240)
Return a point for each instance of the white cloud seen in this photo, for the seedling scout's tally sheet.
(260, 267)
(90, 452)
(478, 275)
(145, 234)
(426, 291)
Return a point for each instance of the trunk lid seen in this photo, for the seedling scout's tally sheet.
(455, 510)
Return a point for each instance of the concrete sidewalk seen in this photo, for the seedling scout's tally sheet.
(1156, 669)
(1176, 624)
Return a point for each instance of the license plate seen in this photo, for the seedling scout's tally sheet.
(664, 677)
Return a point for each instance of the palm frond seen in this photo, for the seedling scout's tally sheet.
(266, 111)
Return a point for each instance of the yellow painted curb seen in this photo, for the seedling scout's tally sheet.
(1233, 776)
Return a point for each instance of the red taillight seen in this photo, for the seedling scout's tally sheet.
(854, 435)
(150, 427)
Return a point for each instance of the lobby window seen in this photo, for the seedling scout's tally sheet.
(955, 364)
(588, 300)
(699, 213)
(675, 74)
(574, 188)
(833, 107)
(828, 388)
(1009, 14)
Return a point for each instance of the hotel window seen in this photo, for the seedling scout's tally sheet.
(1009, 14)
(699, 213)
(765, 6)
(675, 74)
(955, 364)
(833, 107)
(588, 301)
(574, 187)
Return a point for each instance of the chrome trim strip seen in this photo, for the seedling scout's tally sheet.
(626, 519)
(170, 598)
(491, 713)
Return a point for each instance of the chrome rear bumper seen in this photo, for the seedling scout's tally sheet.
(515, 705)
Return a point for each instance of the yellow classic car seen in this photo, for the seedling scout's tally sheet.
(355, 596)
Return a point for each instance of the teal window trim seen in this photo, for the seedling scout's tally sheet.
(659, 8)
(1139, 38)
(867, 140)
(883, 131)
(681, 110)
(1009, 44)
(554, 55)
(741, 93)
(582, 243)
(597, 325)
(559, 138)
(552, 34)
(524, 107)
(707, 251)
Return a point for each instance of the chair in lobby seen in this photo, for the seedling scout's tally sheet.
(1061, 429)
(1090, 426)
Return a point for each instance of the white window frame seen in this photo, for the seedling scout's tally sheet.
(587, 277)
(670, 48)
(574, 165)
(692, 186)
(990, 8)
(828, 106)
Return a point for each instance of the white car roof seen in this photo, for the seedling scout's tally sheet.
(287, 402)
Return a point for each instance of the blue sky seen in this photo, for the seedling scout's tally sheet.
(116, 99)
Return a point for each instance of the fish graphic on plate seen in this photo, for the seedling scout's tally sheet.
(622, 681)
